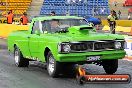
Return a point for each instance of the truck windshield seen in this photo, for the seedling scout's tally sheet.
(56, 25)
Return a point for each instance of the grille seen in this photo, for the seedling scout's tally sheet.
(94, 46)
(81, 46)
(104, 45)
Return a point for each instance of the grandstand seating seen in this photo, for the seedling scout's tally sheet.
(80, 8)
(18, 6)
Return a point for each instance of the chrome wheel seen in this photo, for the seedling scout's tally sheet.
(19, 60)
(51, 65)
(16, 56)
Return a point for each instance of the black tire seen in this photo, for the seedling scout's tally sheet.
(55, 71)
(20, 61)
(110, 66)
(69, 69)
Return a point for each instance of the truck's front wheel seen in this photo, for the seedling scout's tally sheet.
(20, 61)
(110, 66)
(53, 67)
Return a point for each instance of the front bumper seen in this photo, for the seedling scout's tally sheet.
(79, 57)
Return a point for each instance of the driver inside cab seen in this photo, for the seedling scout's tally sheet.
(55, 25)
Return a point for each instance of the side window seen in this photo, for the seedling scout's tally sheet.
(35, 27)
(46, 26)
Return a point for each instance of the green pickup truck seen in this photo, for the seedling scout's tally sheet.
(64, 41)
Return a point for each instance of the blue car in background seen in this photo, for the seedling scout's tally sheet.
(93, 20)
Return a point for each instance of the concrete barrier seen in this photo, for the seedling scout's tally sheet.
(4, 20)
(6, 29)
(124, 23)
(118, 29)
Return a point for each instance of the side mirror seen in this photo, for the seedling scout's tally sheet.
(37, 32)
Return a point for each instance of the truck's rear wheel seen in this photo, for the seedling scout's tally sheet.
(20, 61)
(110, 66)
(53, 67)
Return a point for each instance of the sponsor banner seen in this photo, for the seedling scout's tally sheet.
(117, 78)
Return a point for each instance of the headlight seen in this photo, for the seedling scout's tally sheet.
(118, 45)
(64, 47)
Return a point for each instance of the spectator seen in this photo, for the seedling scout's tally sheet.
(52, 13)
(112, 22)
(114, 12)
(119, 13)
(129, 17)
(9, 17)
(24, 19)
(115, 3)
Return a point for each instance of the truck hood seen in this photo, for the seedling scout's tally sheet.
(65, 37)
(82, 33)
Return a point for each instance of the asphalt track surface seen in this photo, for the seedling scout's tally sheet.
(35, 76)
